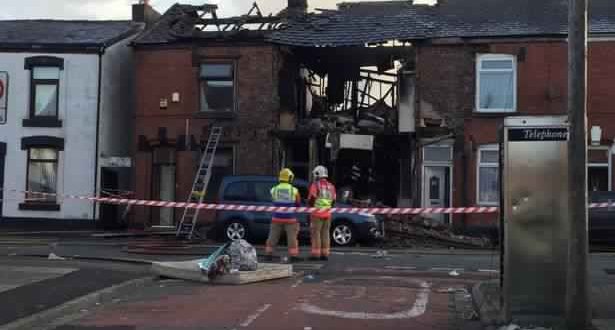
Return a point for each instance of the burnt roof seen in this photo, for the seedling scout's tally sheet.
(358, 23)
(181, 22)
(63, 33)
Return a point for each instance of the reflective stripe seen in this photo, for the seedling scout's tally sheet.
(324, 199)
(284, 195)
(293, 252)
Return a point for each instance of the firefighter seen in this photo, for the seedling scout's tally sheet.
(285, 195)
(321, 196)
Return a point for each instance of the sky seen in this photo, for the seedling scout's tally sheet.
(121, 9)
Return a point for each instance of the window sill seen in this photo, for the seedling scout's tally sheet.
(216, 114)
(494, 113)
(39, 206)
(42, 122)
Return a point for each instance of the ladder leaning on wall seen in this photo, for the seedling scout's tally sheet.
(187, 225)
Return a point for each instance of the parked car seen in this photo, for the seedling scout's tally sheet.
(602, 220)
(346, 229)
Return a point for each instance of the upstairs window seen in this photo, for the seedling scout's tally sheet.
(496, 83)
(45, 88)
(45, 73)
(217, 87)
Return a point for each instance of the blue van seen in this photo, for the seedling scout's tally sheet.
(346, 229)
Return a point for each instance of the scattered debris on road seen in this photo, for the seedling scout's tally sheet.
(419, 232)
(53, 256)
(516, 327)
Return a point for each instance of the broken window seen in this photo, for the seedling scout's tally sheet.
(496, 83)
(217, 87)
(488, 180)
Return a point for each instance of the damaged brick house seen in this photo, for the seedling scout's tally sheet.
(471, 64)
(195, 70)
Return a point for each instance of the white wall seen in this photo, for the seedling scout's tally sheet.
(77, 109)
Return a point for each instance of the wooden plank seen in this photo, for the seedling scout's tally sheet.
(189, 270)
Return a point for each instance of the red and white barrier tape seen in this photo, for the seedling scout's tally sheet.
(256, 208)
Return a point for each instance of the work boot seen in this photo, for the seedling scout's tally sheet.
(295, 259)
(314, 258)
(268, 258)
(324, 258)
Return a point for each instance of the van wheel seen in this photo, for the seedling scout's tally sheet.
(343, 233)
(234, 230)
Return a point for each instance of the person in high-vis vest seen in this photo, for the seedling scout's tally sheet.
(321, 196)
(284, 195)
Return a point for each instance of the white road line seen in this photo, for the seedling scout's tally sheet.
(418, 309)
(400, 267)
(297, 283)
(446, 269)
(488, 270)
(255, 316)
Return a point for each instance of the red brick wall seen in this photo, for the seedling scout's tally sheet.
(447, 81)
(161, 72)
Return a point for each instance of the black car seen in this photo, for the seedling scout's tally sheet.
(346, 229)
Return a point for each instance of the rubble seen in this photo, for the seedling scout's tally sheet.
(420, 232)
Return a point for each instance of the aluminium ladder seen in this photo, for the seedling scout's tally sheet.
(190, 216)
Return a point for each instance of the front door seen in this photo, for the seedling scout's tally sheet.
(166, 181)
(436, 190)
(598, 178)
(164, 185)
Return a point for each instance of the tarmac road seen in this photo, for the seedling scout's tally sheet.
(357, 288)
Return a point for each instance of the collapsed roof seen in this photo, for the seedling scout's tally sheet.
(189, 22)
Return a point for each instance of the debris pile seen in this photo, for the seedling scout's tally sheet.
(421, 232)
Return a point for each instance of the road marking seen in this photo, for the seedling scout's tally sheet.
(297, 283)
(400, 267)
(418, 309)
(255, 316)
(488, 271)
(446, 269)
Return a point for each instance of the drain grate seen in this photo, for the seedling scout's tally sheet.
(609, 271)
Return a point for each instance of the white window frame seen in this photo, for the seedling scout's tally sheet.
(479, 60)
(479, 165)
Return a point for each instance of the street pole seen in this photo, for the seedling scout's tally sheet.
(578, 311)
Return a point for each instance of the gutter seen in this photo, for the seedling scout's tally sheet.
(101, 52)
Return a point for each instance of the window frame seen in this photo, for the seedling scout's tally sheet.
(29, 159)
(480, 164)
(486, 57)
(233, 79)
(34, 83)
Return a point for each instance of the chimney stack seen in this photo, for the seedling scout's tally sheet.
(142, 12)
(297, 8)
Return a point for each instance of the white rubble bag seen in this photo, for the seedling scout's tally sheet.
(243, 256)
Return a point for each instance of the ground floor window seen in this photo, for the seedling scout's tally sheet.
(42, 175)
(598, 168)
(488, 185)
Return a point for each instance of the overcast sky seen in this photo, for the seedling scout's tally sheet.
(120, 9)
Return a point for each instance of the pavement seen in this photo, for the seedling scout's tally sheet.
(487, 295)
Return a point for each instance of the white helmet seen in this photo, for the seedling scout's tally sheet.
(320, 172)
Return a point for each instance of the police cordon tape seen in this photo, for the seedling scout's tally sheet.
(256, 208)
